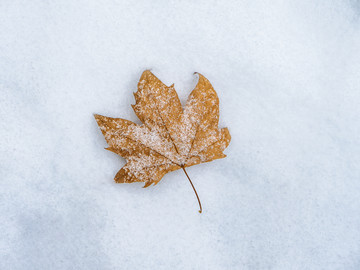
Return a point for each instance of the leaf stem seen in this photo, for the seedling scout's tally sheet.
(193, 188)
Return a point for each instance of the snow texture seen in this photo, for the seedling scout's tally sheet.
(287, 74)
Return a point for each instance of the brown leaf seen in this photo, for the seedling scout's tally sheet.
(171, 137)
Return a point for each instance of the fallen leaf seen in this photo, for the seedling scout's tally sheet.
(171, 137)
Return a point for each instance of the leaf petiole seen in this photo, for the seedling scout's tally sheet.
(183, 167)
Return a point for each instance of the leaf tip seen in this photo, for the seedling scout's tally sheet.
(197, 73)
(97, 116)
(147, 72)
(201, 77)
(147, 184)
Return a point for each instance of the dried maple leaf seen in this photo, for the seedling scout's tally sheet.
(171, 137)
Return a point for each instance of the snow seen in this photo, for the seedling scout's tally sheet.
(287, 74)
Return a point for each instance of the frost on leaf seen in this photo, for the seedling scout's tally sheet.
(171, 137)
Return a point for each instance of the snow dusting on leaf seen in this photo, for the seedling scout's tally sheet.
(171, 137)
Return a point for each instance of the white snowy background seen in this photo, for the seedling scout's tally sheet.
(288, 77)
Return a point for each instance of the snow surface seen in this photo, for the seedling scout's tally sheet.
(288, 77)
